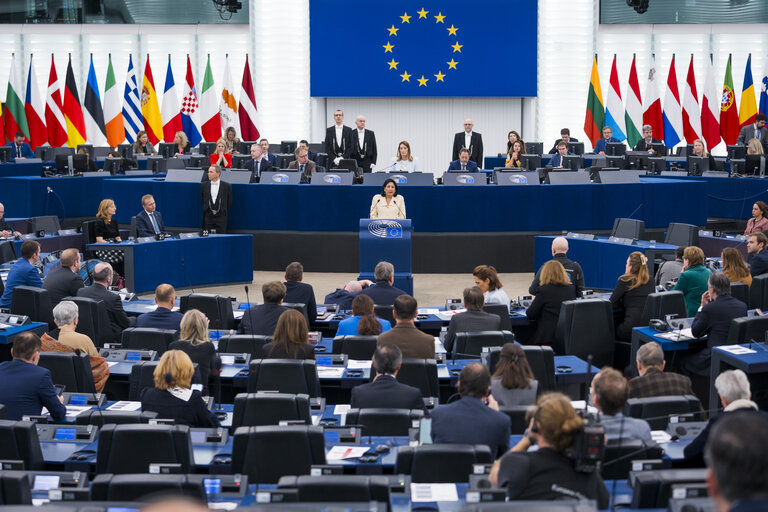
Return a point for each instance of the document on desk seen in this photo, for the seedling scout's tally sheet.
(238, 314)
(737, 349)
(330, 372)
(433, 492)
(660, 436)
(346, 452)
(112, 363)
(428, 311)
(681, 335)
(340, 409)
(72, 410)
(124, 405)
(356, 364)
(230, 371)
(446, 315)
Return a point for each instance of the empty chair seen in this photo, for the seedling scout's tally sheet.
(660, 304)
(7, 251)
(285, 376)
(69, 369)
(440, 463)
(93, 320)
(268, 453)
(19, 441)
(47, 223)
(749, 329)
(109, 487)
(517, 417)
(683, 235)
(244, 343)
(657, 409)
(758, 292)
(34, 303)
(15, 488)
(385, 313)
(149, 339)
(421, 374)
(502, 310)
(384, 422)
(257, 409)
(339, 488)
(218, 308)
(617, 461)
(470, 344)
(101, 418)
(740, 291)
(132, 448)
(356, 347)
(584, 328)
(628, 228)
(89, 235)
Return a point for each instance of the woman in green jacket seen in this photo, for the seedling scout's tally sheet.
(693, 281)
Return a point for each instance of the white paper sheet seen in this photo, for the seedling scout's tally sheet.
(341, 409)
(230, 371)
(433, 492)
(356, 364)
(124, 405)
(238, 314)
(111, 363)
(737, 349)
(428, 311)
(346, 452)
(330, 372)
(660, 436)
(72, 410)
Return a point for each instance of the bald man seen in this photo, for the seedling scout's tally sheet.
(344, 296)
(64, 281)
(572, 268)
(163, 317)
(361, 145)
(99, 290)
(471, 140)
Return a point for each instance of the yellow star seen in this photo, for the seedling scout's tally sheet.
(393, 30)
(422, 13)
(393, 64)
(452, 64)
(406, 76)
(387, 47)
(439, 77)
(423, 81)
(440, 18)
(452, 30)
(405, 18)
(457, 47)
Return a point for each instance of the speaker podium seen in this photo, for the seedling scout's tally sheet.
(387, 240)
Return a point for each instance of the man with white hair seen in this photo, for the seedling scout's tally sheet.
(344, 296)
(99, 290)
(361, 145)
(572, 268)
(471, 140)
(383, 292)
(653, 380)
(65, 315)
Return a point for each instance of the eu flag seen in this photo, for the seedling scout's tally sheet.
(423, 48)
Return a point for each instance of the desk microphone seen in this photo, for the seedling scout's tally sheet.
(398, 207)
(635, 211)
(373, 208)
(388, 167)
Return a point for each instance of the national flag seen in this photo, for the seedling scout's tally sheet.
(764, 90)
(132, 119)
(92, 110)
(747, 106)
(595, 117)
(247, 107)
(150, 110)
(171, 115)
(34, 110)
(54, 111)
(113, 117)
(15, 118)
(633, 116)
(673, 116)
(190, 106)
(691, 114)
(614, 108)
(652, 114)
(73, 112)
(228, 106)
(209, 109)
(729, 118)
(710, 108)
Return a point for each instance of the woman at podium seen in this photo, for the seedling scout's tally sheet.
(404, 161)
(388, 205)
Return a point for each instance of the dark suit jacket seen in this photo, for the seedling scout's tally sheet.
(713, 320)
(341, 297)
(385, 392)
(413, 343)
(192, 412)
(658, 383)
(382, 293)
(261, 320)
(456, 165)
(470, 321)
(302, 293)
(61, 283)
(369, 140)
(572, 268)
(161, 318)
(26, 389)
(272, 159)
(250, 166)
(545, 309)
(224, 199)
(144, 225)
(748, 133)
(331, 147)
(475, 149)
(632, 301)
(643, 146)
(117, 317)
(470, 421)
(309, 168)
(554, 146)
(26, 150)
(758, 263)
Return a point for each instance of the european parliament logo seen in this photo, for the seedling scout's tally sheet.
(399, 179)
(280, 178)
(386, 229)
(332, 178)
(465, 178)
(518, 178)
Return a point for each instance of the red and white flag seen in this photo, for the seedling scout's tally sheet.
(247, 107)
(710, 108)
(691, 114)
(652, 114)
(54, 115)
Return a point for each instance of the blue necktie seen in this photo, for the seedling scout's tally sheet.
(154, 223)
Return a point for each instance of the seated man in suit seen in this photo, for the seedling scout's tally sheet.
(385, 391)
(475, 418)
(383, 293)
(262, 319)
(20, 149)
(65, 315)
(645, 144)
(163, 317)
(311, 154)
(265, 154)
(6, 231)
(256, 164)
(23, 272)
(653, 381)
(473, 319)
(298, 292)
(557, 160)
(607, 137)
(412, 342)
(463, 163)
(27, 388)
(148, 221)
(305, 166)
(565, 136)
(609, 395)
(757, 248)
(64, 281)
(99, 290)
(756, 130)
(344, 296)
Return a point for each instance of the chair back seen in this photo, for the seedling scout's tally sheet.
(19, 441)
(244, 343)
(125, 449)
(470, 344)
(338, 488)
(257, 409)
(385, 313)
(440, 463)
(138, 338)
(740, 291)
(101, 418)
(617, 461)
(69, 369)
(109, 487)
(47, 223)
(517, 417)
(356, 347)
(657, 409)
(421, 374)
(7, 251)
(584, 328)
(748, 329)
(758, 292)
(384, 422)
(93, 320)
(33, 302)
(660, 304)
(284, 376)
(218, 308)
(502, 310)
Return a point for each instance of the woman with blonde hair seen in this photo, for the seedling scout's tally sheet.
(183, 147)
(172, 397)
(693, 281)
(106, 227)
(734, 267)
(632, 289)
(754, 147)
(221, 157)
(231, 139)
(291, 338)
(512, 383)
(404, 161)
(195, 342)
(554, 289)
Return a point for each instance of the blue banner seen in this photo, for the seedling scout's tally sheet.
(424, 48)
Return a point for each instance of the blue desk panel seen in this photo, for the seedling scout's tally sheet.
(731, 198)
(7, 334)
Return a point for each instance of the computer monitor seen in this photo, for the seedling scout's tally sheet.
(616, 161)
(88, 148)
(79, 163)
(157, 164)
(697, 165)
(573, 162)
(738, 165)
(5, 154)
(207, 148)
(204, 161)
(652, 489)
(534, 148)
(615, 148)
(167, 149)
(113, 165)
(577, 148)
(682, 235)
(752, 164)
(661, 149)
(656, 164)
(239, 161)
(737, 151)
(530, 162)
(637, 159)
(628, 228)
(126, 150)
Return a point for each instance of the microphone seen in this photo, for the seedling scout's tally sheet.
(398, 207)
(388, 167)
(635, 211)
(373, 208)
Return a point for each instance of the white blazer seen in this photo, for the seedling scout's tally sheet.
(381, 210)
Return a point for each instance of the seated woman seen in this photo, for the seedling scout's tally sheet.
(754, 147)
(106, 227)
(90, 165)
(512, 383)
(388, 204)
(548, 473)
(512, 137)
(758, 222)
(488, 281)
(554, 289)
(194, 342)
(514, 157)
(699, 149)
(404, 161)
(221, 157)
(231, 140)
(172, 398)
(363, 323)
(734, 267)
(142, 146)
(632, 289)
(693, 280)
(291, 339)
(183, 147)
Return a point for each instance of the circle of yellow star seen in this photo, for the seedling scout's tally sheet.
(387, 47)
(393, 30)
(405, 18)
(440, 18)
(439, 77)
(457, 47)
(422, 13)
(452, 30)
(393, 64)
(423, 81)
(452, 64)
(406, 77)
